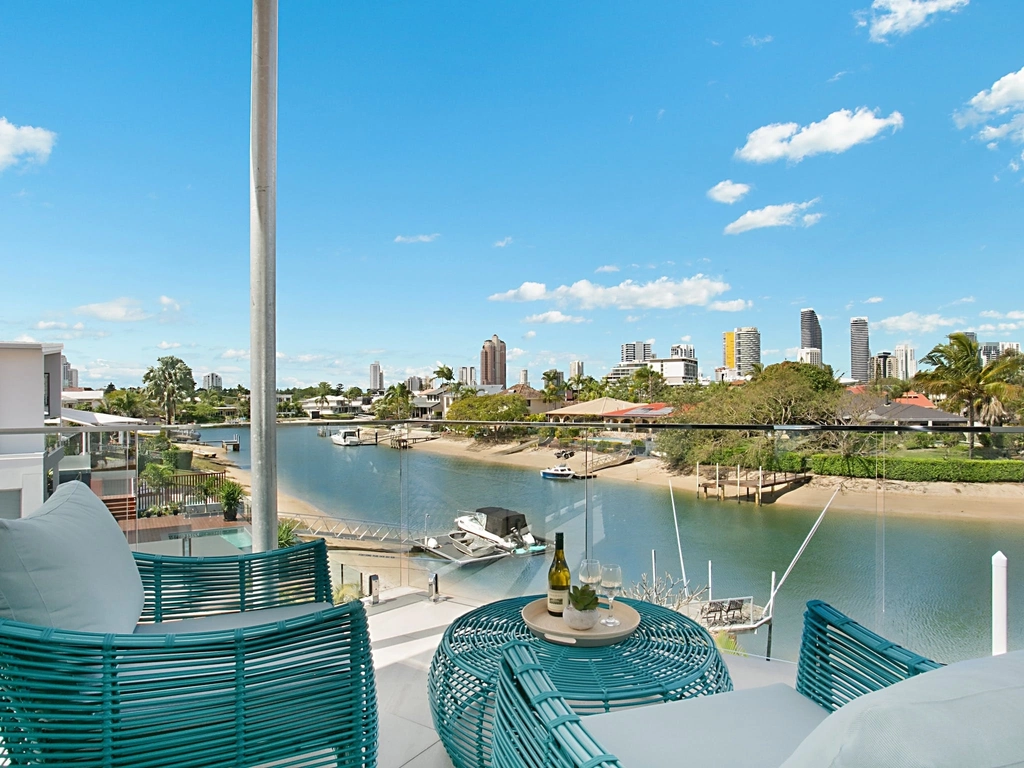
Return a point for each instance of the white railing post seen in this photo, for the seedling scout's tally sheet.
(998, 604)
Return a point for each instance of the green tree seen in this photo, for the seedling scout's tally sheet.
(170, 383)
(353, 393)
(647, 384)
(323, 391)
(158, 477)
(489, 408)
(444, 373)
(969, 386)
(396, 403)
(591, 388)
(126, 402)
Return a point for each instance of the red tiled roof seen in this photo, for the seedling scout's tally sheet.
(640, 410)
(915, 398)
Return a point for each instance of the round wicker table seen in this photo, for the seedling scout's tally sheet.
(668, 657)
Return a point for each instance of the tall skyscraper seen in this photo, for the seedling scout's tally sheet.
(414, 383)
(576, 369)
(883, 366)
(683, 350)
(729, 349)
(970, 335)
(492, 362)
(810, 329)
(860, 349)
(376, 377)
(212, 381)
(905, 365)
(1013, 346)
(748, 349)
(524, 377)
(636, 352)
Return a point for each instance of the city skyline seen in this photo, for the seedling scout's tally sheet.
(661, 177)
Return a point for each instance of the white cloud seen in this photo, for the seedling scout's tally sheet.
(874, 300)
(25, 339)
(108, 370)
(736, 305)
(529, 334)
(24, 142)
(503, 242)
(757, 42)
(123, 310)
(728, 191)
(169, 304)
(235, 354)
(554, 316)
(632, 318)
(515, 353)
(1002, 104)
(661, 113)
(785, 215)
(912, 322)
(837, 133)
(687, 337)
(607, 268)
(899, 17)
(662, 293)
(307, 358)
(168, 345)
(1012, 315)
(49, 325)
(963, 300)
(417, 238)
(837, 75)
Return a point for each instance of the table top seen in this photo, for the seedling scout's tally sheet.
(668, 656)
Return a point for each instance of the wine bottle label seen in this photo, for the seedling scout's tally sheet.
(556, 600)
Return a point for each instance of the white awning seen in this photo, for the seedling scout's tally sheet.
(93, 419)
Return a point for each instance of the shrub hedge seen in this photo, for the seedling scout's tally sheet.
(920, 470)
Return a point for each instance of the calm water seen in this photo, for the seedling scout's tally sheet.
(923, 583)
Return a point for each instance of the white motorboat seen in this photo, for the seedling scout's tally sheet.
(558, 472)
(505, 529)
(471, 545)
(346, 437)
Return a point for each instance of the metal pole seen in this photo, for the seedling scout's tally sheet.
(263, 274)
(998, 604)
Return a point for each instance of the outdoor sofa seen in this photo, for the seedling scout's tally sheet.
(860, 701)
(110, 658)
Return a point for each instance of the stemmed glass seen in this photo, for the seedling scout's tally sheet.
(611, 582)
(590, 573)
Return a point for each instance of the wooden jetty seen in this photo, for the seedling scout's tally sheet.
(230, 445)
(746, 482)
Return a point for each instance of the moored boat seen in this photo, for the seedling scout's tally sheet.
(558, 472)
(346, 437)
(505, 529)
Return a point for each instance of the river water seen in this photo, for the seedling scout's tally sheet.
(922, 582)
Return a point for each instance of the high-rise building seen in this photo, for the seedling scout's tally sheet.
(989, 351)
(748, 349)
(906, 362)
(729, 349)
(554, 376)
(376, 377)
(811, 356)
(636, 352)
(68, 375)
(860, 349)
(683, 350)
(492, 362)
(678, 369)
(524, 377)
(414, 383)
(576, 369)
(810, 330)
(1012, 346)
(212, 381)
(971, 335)
(883, 366)
(467, 375)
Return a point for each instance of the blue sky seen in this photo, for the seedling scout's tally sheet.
(570, 177)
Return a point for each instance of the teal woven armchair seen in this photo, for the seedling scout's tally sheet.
(256, 667)
(839, 661)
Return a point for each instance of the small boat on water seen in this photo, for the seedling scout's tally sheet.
(558, 472)
(346, 437)
(505, 530)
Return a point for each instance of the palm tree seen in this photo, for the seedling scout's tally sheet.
(169, 382)
(591, 389)
(323, 391)
(575, 383)
(969, 385)
(126, 402)
(444, 373)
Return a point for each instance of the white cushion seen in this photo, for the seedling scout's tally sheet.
(967, 714)
(229, 621)
(68, 565)
(752, 728)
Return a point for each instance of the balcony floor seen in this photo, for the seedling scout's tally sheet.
(406, 629)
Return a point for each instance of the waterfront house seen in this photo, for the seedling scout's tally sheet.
(30, 385)
(534, 398)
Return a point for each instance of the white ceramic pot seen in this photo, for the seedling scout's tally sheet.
(581, 620)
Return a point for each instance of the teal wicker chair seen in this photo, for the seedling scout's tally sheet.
(534, 727)
(218, 687)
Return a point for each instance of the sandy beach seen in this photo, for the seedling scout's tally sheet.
(988, 501)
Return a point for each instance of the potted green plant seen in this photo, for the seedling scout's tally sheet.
(581, 611)
(230, 499)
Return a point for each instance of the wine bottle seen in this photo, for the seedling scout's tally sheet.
(558, 579)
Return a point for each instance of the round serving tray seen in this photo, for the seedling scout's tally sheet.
(554, 629)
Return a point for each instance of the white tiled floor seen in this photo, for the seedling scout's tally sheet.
(406, 630)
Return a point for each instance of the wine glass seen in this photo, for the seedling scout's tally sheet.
(611, 582)
(590, 573)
